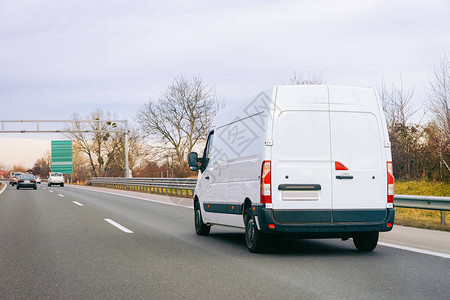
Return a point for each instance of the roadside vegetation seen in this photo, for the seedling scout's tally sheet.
(422, 218)
(420, 144)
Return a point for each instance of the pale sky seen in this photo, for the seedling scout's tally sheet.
(61, 57)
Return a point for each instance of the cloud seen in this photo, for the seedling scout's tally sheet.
(67, 56)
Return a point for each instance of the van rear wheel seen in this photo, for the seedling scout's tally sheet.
(366, 241)
(200, 227)
(254, 238)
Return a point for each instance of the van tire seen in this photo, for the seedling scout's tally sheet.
(366, 241)
(200, 227)
(62, 184)
(254, 238)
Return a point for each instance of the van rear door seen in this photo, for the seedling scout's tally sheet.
(301, 152)
(357, 145)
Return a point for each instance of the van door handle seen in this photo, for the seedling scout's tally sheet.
(344, 177)
(207, 177)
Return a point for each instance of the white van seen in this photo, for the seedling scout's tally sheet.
(312, 161)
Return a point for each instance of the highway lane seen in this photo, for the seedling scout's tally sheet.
(51, 247)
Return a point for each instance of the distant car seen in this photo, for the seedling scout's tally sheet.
(38, 179)
(56, 178)
(13, 177)
(26, 180)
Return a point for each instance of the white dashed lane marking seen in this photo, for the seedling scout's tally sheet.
(124, 229)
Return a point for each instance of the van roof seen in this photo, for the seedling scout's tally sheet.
(261, 101)
(244, 108)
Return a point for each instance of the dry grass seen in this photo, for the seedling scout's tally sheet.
(422, 218)
(423, 188)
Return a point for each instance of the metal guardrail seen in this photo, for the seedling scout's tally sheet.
(167, 186)
(186, 186)
(424, 202)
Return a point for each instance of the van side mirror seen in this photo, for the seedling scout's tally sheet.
(193, 161)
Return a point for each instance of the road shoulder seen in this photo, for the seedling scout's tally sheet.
(170, 200)
(424, 239)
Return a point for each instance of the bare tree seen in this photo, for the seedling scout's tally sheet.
(115, 163)
(397, 103)
(439, 97)
(90, 143)
(42, 166)
(18, 168)
(312, 79)
(180, 117)
(404, 135)
(439, 105)
(104, 150)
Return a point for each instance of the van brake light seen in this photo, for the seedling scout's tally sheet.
(266, 196)
(390, 182)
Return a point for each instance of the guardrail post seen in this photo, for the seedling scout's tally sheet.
(443, 217)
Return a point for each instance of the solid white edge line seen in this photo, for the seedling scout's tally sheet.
(61, 195)
(414, 250)
(4, 188)
(124, 229)
(139, 198)
(78, 203)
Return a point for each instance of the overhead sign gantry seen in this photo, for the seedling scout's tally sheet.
(72, 129)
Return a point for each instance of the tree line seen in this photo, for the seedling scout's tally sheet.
(169, 127)
(420, 143)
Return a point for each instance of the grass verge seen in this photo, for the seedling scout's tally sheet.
(422, 218)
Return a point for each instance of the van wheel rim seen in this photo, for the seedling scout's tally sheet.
(250, 231)
(197, 219)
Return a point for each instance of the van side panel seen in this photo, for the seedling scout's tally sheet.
(235, 164)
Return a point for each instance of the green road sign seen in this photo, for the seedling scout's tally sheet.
(62, 159)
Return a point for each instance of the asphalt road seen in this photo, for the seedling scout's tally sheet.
(56, 244)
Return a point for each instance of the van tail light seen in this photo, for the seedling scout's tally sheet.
(390, 182)
(339, 166)
(266, 195)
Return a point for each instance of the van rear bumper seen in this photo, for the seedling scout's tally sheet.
(323, 223)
